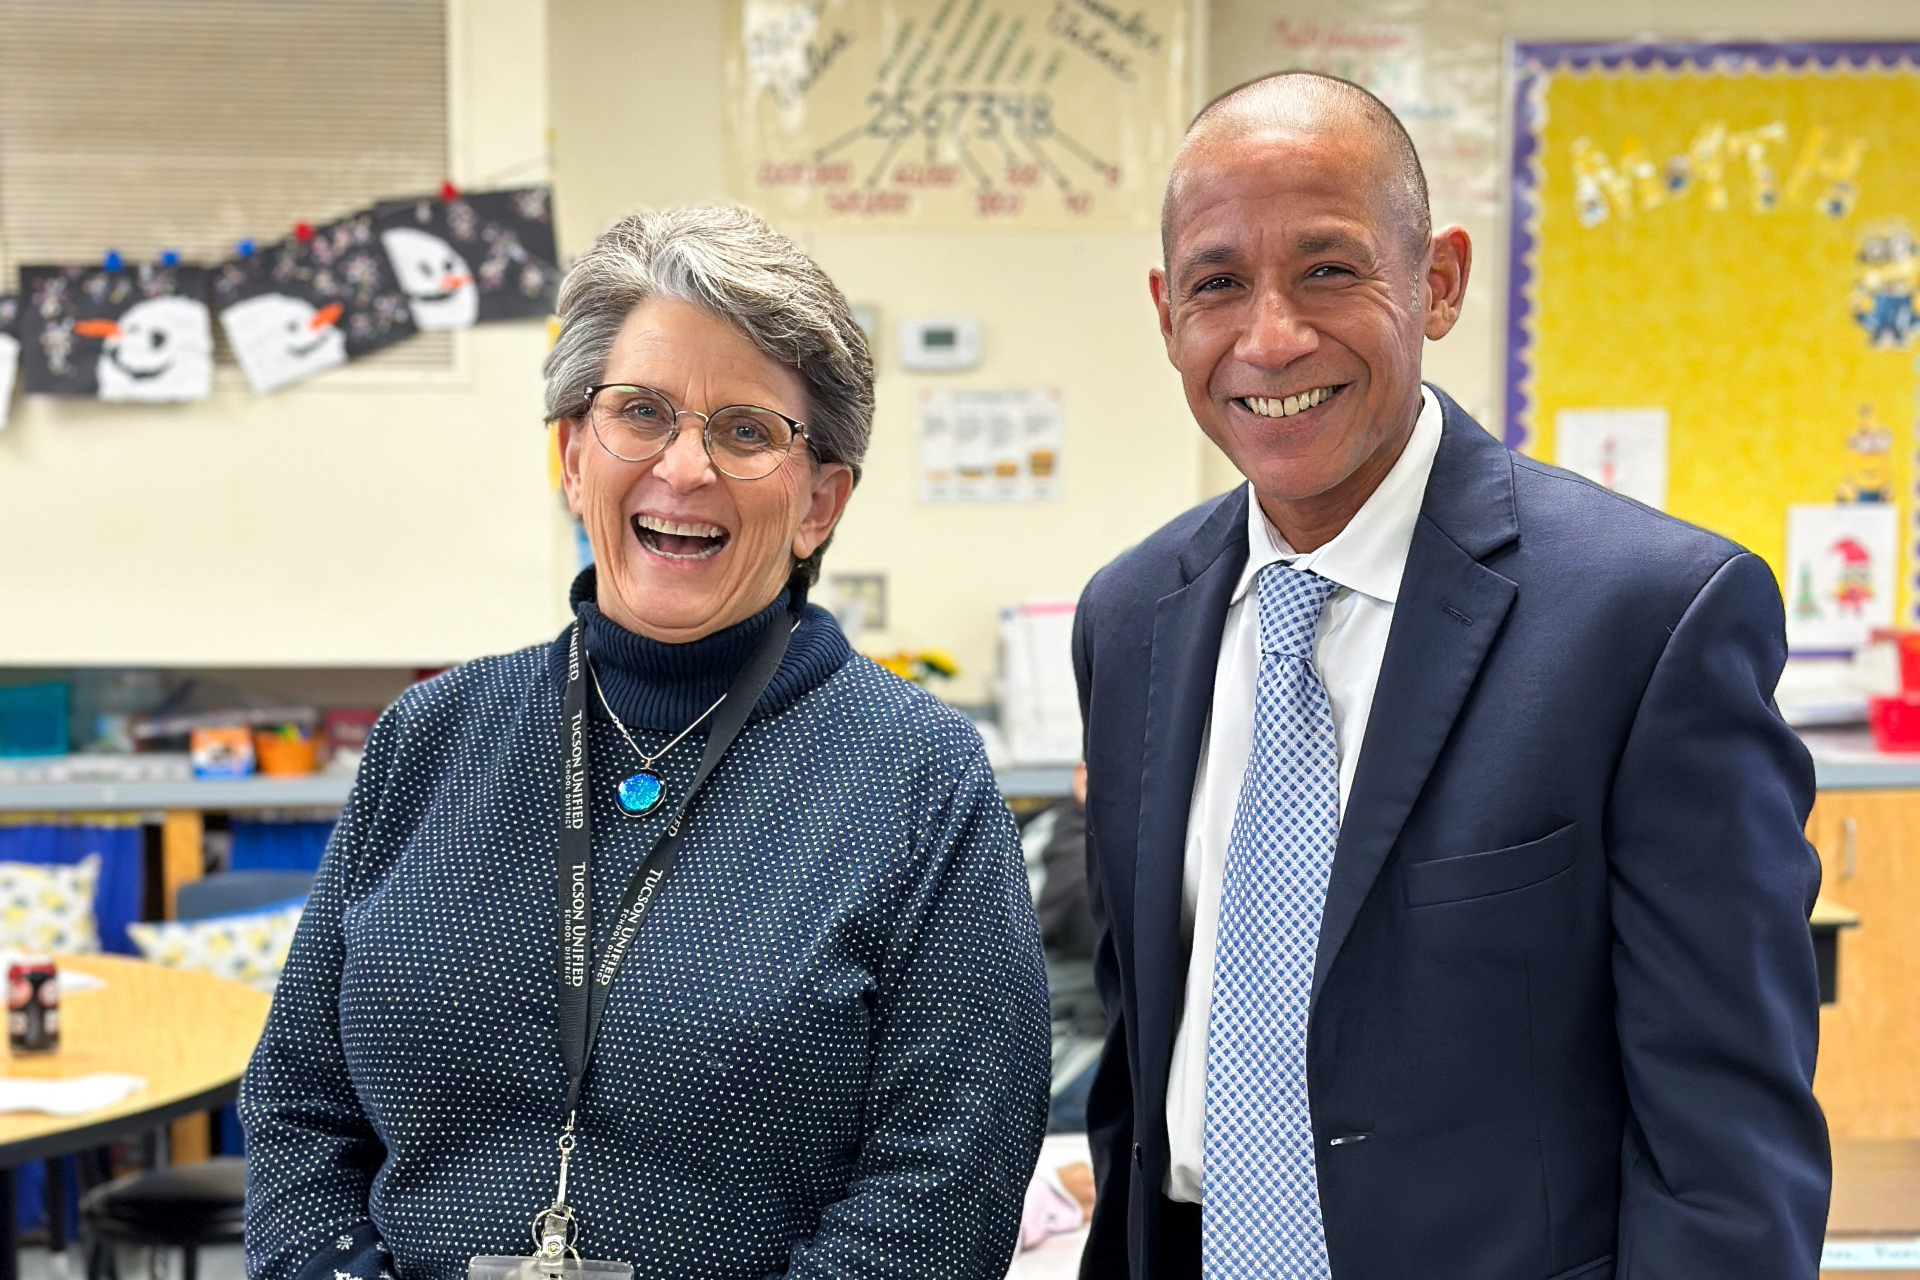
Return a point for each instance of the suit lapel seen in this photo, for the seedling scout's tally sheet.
(1186, 650)
(1451, 607)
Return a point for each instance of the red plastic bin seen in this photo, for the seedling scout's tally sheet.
(1895, 721)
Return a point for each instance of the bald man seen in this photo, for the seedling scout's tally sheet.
(1444, 841)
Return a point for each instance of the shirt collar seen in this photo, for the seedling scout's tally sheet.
(1370, 554)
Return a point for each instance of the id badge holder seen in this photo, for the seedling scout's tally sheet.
(556, 1235)
(524, 1268)
(554, 1257)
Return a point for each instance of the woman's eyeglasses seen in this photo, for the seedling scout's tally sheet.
(743, 441)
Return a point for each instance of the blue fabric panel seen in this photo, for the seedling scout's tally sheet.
(30, 1196)
(228, 1138)
(117, 900)
(260, 845)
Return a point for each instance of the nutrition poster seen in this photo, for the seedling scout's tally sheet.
(989, 446)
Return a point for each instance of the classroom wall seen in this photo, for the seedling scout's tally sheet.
(383, 519)
(373, 517)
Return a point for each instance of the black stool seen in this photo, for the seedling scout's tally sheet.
(185, 1207)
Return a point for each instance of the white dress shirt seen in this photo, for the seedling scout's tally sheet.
(1366, 559)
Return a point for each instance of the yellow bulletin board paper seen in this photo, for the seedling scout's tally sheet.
(1727, 233)
(955, 115)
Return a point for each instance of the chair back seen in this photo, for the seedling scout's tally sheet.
(230, 893)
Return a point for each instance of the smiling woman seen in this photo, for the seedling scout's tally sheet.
(689, 939)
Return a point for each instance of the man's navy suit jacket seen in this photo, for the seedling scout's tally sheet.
(1564, 1006)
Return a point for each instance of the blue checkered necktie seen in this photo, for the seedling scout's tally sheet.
(1261, 1203)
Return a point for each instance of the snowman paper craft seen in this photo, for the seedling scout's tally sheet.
(158, 350)
(9, 353)
(438, 281)
(280, 339)
(310, 302)
(475, 258)
(138, 334)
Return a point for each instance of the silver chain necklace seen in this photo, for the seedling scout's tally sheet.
(641, 792)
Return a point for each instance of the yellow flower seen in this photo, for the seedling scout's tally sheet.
(917, 665)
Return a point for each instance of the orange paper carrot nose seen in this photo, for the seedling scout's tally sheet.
(449, 283)
(329, 314)
(97, 328)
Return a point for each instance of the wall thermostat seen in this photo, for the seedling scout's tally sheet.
(939, 344)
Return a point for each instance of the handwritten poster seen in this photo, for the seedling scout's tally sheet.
(957, 114)
(1729, 231)
(1435, 62)
(989, 446)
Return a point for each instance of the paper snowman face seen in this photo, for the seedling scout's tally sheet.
(437, 280)
(9, 361)
(160, 349)
(280, 339)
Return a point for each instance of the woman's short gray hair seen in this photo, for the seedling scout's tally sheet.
(732, 263)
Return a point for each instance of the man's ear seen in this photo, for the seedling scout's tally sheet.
(1446, 279)
(1162, 304)
(573, 440)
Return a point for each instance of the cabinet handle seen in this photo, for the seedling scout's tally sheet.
(1849, 847)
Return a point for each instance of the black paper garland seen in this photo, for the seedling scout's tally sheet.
(293, 309)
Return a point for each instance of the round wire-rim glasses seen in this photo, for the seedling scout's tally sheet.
(636, 423)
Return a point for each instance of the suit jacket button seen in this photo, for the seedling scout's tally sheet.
(1136, 1155)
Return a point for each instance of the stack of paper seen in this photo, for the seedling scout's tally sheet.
(69, 1096)
(1039, 708)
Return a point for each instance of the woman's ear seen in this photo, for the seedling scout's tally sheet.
(573, 439)
(831, 486)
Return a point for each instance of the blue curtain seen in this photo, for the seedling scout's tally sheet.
(116, 902)
(266, 845)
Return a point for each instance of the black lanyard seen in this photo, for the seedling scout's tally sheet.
(583, 994)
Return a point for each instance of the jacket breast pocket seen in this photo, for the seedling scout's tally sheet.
(1480, 875)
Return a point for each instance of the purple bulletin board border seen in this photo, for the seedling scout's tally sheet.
(1534, 61)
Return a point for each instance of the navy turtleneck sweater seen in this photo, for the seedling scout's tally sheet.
(665, 687)
(826, 1053)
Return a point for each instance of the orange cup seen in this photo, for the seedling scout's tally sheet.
(285, 750)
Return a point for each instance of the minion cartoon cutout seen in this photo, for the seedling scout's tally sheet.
(1853, 588)
(1869, 475)
(1883, 291)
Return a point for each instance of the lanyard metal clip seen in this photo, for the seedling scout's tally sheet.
(556, 1232)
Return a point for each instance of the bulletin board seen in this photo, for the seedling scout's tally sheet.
(1712, 280)
(957, 115)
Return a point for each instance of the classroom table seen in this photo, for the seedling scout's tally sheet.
(189, 1034)
(1876, 1194)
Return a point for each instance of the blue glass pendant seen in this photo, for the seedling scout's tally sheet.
(642, 793)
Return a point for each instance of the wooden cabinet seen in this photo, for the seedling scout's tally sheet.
(1868, 1076)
